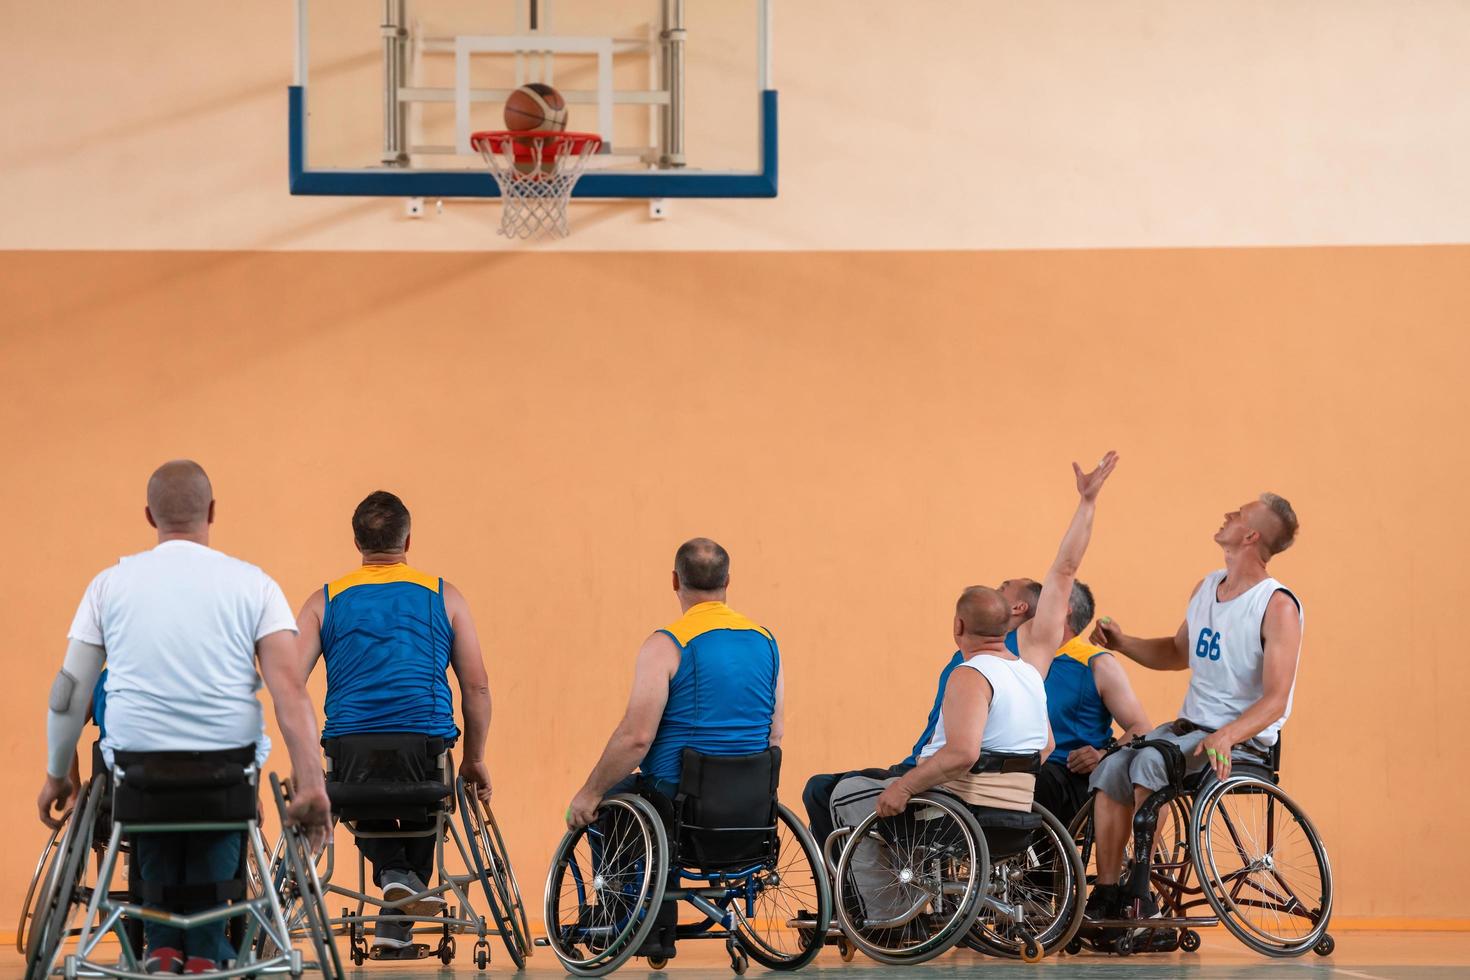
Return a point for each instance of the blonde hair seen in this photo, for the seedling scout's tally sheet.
(1281, 507)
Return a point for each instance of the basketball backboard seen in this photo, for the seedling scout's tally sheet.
(388, 93)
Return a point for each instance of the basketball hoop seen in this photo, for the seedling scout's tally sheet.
(536, 171)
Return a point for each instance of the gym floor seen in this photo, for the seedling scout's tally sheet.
(1359, 955)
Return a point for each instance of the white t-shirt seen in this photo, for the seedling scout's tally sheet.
(1228, 655)
(179, 624)
(1017, 721)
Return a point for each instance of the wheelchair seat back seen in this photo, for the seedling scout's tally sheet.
(386, 775)
(725, 809)
(184, 787)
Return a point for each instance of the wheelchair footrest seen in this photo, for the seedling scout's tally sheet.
(414, 951)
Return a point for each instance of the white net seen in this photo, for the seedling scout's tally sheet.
(536, 172)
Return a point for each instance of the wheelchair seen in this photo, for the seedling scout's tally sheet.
(723, 845)
(944, 873)
(1238, 853)
(146, 792)
(404, 776)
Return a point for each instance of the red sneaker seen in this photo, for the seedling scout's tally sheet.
(164, 959)
(198, 964)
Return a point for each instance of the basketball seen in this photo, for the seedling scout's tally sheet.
(535, 106)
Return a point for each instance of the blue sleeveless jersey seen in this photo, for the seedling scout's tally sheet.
(1078, 715)
(723, 696)
(99, 703)
(386, 640)
(938, 708)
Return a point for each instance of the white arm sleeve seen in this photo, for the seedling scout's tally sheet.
(67, 710)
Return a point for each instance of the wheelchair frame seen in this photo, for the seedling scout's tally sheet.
(1192, 808)
(725, 898)
(483, 851)
(107, 914)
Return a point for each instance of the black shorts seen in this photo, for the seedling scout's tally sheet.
(1061, 791)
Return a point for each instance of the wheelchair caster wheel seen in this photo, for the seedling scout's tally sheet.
(446, 952)
(1189, 941)
(846, 950)
(1124, 945)
(482, 955)
(657, 962)
(1074, 946)
(739, 962)
(1325, 945)
(1031, 951)
(357, 956)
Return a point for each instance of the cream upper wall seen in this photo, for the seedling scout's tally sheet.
(1041, 124)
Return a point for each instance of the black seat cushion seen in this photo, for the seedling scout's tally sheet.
(725, 810)
(184, 787)
(386, 775)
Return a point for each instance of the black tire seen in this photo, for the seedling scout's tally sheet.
(1325, 945)
(300, 871)
(1263, 867)
(795, 880)
(491, 865)
(1051, 851)
(58, 906)
(576, 929)
(1189, 941)
(657, 962)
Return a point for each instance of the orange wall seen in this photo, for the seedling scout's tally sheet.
(867, 433)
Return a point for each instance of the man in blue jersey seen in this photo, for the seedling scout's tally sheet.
(710, 681)
(1021, 595)
(389, 634)
(1086, 691)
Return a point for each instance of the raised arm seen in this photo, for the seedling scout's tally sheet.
(966, 709)
(658, 659)
(1039, 638)
(280, 668)
(1281, 630)
(474, 691)
(1159, 653)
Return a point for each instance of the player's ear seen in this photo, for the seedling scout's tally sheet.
(676, 580)
(148, 513)
(209, 519)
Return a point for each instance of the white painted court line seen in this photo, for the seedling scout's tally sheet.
(1354, 973)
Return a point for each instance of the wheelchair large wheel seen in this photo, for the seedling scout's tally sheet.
(38, 889)
(301, 878)
(769, 917)
(1264, 868)
(606, 885)
(60, 900)
(1045, 880)
(1171, 864)
(909, 886)
(491, 865)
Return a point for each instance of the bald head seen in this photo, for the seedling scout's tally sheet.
(702, 566)
(983, 611)
(179, 496)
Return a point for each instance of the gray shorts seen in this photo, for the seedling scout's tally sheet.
(1120, 772)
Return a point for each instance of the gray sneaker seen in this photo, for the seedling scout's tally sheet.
(401, 884)
(392, 935)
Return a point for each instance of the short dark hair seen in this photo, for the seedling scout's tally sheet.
(1080, 607)
(702, 565)
(1282, 508)
(380, 523)
(1032, 591)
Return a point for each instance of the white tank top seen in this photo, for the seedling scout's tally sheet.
(1227, 655)
(1017, 719)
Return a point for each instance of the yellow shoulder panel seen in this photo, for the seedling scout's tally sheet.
(1080, 650)
(708, 616)
(382, 575)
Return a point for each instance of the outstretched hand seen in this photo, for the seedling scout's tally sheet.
(1089, 484)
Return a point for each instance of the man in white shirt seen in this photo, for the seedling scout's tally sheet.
(1240, 640)
(181, 629)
